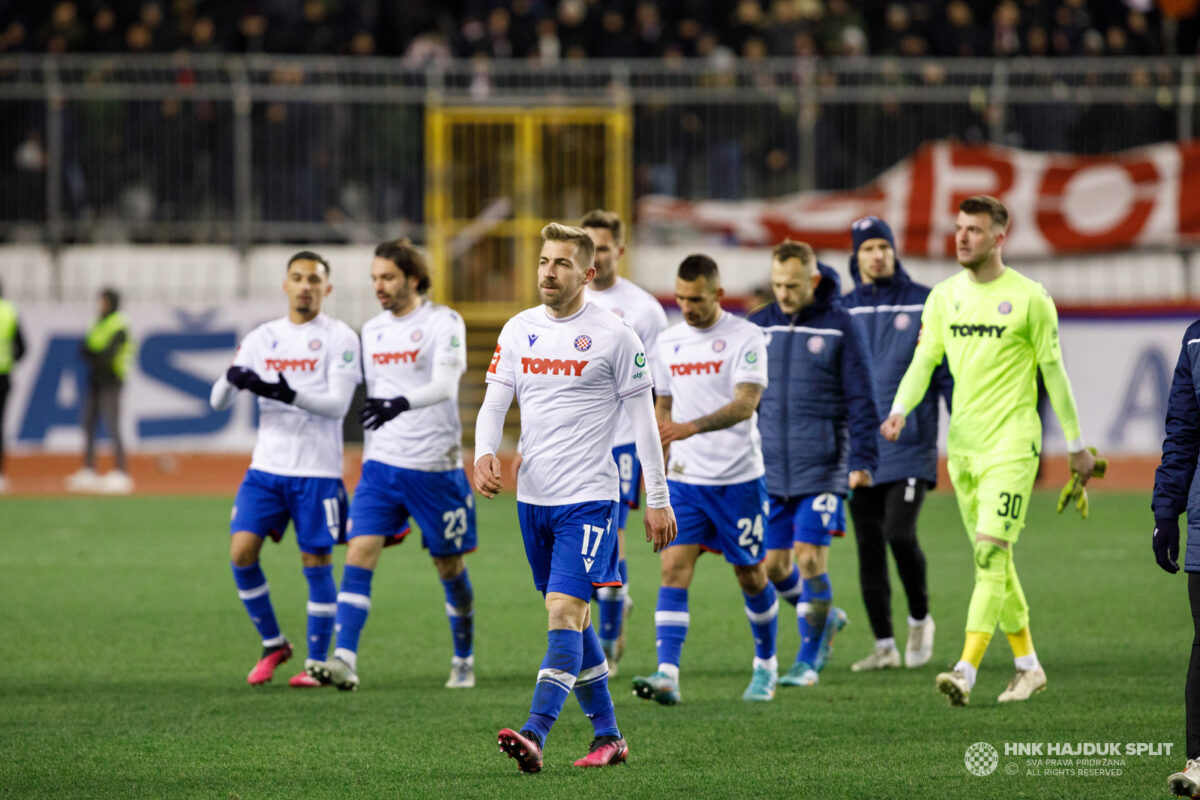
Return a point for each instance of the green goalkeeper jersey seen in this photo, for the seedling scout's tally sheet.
(995, 336)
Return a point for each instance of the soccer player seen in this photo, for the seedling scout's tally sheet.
(647, 318)
(1174, 494)
(996, 328)
(414, 353)
(304, 368)
(887, 303)
(572, 366)
(819, 425)
(716, 368)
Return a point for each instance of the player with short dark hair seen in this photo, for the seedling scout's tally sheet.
(818, 420)
(572, 366)
(304, 368)
(997, 329)
(716, 367)
(414, 353)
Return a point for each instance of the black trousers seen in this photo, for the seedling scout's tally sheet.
(1191, 695)
(886, 515)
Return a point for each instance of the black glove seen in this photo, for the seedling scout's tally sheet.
(376, 411)
(1166, 544)
(241, 377)
(273, 391)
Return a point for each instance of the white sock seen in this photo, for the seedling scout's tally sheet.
(969, 672)
(1027, 662)
(349, 656)
(671, 671)
(771, 663)
(886, 644)
(922, 621)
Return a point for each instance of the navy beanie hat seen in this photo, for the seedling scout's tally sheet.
(870, 228)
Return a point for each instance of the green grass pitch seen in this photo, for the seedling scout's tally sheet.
(127, 651)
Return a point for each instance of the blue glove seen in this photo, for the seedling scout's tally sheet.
(241, 377)
(1166, 544)
(376, 411)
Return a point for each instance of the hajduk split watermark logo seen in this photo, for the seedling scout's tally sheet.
(1060, 759)
(981, 759)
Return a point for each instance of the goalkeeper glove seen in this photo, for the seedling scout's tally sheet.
(1166, 544)
(376, 411)
(1075, 490)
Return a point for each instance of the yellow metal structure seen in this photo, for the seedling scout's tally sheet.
(495, 176)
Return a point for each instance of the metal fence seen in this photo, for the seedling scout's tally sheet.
(245, 150)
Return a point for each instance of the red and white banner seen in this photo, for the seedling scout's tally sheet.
(1147, 197)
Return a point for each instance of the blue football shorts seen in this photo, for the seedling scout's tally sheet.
(441, 503)
(814, 519)
(571, 548)
(629, 472)
(316, 507)
(723, 519)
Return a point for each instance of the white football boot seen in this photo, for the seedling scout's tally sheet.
(1024, 684)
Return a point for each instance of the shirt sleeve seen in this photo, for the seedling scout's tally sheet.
(452, 344)
(1043, 327)
(751, 363)
(630, 367)
(345, 357)
(662, 383)
(655, 323)
(858, 383)
(247, 352)
(503, 369)
(1181, 447)
(928, 355)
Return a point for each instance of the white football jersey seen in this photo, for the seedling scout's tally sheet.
(398, 356)
(645, 315)
(292, 441)
(570, 377)
(702, 366)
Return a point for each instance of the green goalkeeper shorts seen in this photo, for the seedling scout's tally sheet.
(993, 496)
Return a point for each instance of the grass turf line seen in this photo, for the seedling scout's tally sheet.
(129, 651)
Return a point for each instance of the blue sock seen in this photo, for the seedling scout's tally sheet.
(556, 678)
(762, 609)
(460, 608)
(322, 608)
(353, 606)
(611, 602)
(789, 588)
(591, 689)
(256, 597)
(671, 623)
(811, 613)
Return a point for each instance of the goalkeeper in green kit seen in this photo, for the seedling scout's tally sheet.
(996, 328)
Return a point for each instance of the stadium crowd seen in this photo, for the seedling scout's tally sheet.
(550, 30)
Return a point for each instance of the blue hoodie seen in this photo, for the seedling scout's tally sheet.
(890, 313)
(817, 417)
